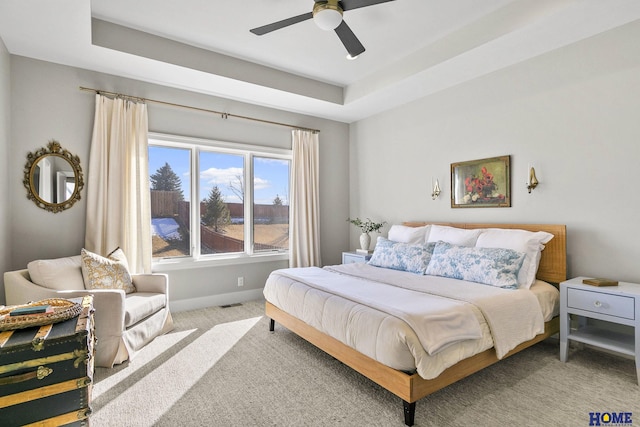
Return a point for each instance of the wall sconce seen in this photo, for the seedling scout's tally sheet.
(532, 181)
(436, 189)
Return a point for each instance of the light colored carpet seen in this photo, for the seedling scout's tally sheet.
(222, 367)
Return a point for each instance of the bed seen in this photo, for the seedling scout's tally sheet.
(395, 349)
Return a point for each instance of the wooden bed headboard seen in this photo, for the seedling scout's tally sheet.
(553, 262)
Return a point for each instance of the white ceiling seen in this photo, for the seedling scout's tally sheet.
(414, 47)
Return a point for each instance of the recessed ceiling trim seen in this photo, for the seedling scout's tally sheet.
(117, 37)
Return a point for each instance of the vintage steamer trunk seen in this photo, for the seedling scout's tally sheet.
(46, 372)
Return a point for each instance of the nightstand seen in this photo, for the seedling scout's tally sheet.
(353, 256)
(615, 304)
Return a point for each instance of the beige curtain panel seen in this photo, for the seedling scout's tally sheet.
(118, 206)
(305, 194)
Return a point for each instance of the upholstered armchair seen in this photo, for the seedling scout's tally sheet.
(124, 322)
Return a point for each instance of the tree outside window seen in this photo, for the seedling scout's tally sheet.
(216, 213)
(165, 179)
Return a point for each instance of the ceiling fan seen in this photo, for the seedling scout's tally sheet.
(327, 14)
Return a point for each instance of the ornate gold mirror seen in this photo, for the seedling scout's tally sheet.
(53, 178)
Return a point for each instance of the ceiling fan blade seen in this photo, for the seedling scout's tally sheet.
(349, 40)
(356, 4)
(281, 24)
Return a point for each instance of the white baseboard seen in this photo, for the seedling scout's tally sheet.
(215, 300)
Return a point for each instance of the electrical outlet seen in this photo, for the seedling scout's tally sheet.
(240, 281)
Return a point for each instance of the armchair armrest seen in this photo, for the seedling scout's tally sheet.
(107, 303)
(157, 283)
(18, 289)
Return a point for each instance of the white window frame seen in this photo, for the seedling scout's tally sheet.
(248, 151)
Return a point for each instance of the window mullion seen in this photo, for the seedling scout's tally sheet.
(248, 205)
(195, 203)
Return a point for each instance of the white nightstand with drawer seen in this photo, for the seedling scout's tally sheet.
(616, 304)
(353, 256)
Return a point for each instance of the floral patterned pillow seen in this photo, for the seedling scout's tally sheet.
(111, 272)
(413, 258)
(490, 266)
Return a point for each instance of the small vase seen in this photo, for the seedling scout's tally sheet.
(365, 241)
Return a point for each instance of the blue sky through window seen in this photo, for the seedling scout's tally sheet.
(271, 176)
(271, 180)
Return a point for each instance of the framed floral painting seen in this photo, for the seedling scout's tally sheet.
(481, 183)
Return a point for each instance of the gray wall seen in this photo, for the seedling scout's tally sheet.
(5, 109)
(573, 113)
(47, 104)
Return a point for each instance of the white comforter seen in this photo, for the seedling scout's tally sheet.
(438, 322)
(339, 301)
(514, 316)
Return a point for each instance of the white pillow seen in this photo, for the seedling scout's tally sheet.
(453, 235)
(61, 274)
(529, 242)
(404, 234)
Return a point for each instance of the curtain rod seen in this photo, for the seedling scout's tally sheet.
(189, 107)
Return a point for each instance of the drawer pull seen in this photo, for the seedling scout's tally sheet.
(597, 304)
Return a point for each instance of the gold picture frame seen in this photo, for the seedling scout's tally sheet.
(483, 183)
(53, 178)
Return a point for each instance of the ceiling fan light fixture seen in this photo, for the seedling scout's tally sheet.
(327, 15)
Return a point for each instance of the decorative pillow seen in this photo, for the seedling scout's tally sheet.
(111, 272)
(490, 266)
(531, 243)
(453, 235)
(61, 274)
(404, 234)
(401, 256)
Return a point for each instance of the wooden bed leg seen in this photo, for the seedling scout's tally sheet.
(409, 412)
(272, 325)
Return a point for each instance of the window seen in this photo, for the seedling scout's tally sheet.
(169, 169)
(230, 218)
(270, 212)
(222, 202)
